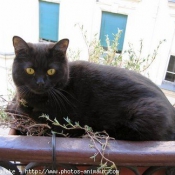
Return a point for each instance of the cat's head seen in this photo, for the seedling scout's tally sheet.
(40, 67)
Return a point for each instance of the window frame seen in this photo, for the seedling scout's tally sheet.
(170, 72)
(166, 84)
(173, 1)
(43, 39)
(103, 12)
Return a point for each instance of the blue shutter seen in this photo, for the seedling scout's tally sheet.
(48, 20)
(110, 24)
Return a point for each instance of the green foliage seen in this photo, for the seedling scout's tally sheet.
(3, 115)
(73, 55)
(4, 99)
(136, 61)
(132, 58)
(96, 138)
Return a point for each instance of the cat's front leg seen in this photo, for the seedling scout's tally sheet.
(38, 116)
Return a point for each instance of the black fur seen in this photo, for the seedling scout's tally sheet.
(124, 103)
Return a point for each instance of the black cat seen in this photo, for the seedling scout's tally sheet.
(125, 104)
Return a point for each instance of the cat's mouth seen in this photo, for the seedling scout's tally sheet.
(40, 90)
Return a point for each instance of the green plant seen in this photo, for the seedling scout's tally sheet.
(96, 138)
(95, 50)
(3, 114)
(111, 56)
(97, 53)
(130, 59)
(73, 55)
(136, 61)
(6, 98)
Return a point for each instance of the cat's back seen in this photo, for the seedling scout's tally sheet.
(111, 76)
(107, 82)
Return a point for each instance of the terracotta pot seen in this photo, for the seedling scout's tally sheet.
(12, 132)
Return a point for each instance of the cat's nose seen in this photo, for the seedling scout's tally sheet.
(40, 82)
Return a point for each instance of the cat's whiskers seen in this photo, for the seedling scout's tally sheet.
(60, 99)
(64, 98)
(23, 91)
(67, 94)
(55, 100)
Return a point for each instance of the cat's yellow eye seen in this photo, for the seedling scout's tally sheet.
(30, 71)
(51, 71)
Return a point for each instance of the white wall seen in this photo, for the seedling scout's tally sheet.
(72, 13)
(18, 17)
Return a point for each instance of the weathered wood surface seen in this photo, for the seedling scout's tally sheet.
(77, 151)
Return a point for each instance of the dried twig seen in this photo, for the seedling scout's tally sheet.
(26, 125)
(106, 165)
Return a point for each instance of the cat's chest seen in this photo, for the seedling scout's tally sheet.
(37, 102)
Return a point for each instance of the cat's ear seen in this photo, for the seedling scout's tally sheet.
(19, 45)
(62, 45)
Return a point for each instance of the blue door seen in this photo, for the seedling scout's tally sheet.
(48, 20)
(110, 24)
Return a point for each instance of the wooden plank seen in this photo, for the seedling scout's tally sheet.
(77, 151)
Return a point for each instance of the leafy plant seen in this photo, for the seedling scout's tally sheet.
(4, 99)
(73, 55)
(97, 138)
(3, 114)
(130, 59)
(136, 61)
